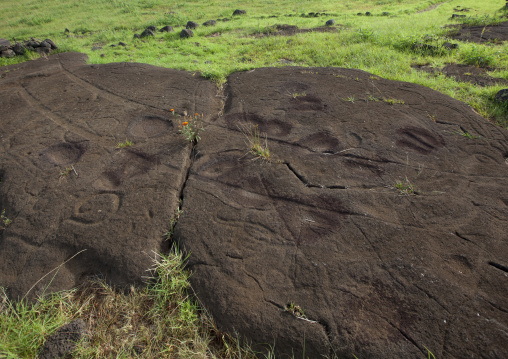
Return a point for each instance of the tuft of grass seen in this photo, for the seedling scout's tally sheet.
(393, 101)
(257, 146)
(405, 187)
(125, 144)
(467, 135)
(160, 320)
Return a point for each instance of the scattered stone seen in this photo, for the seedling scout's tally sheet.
(368, 13)
(208, 62)
(385, 13)
(166, 28)
(360, 14)
(122, 43)
(418, 46)
(67, 31)
(18, 49)
(210, 23)
(102, 55)
(502, 96)
(7, 53)
(63, 342)
(96, 48)
(153, 28)
(450, 46)
(4, 44)
(147, 32)
(191, 25)
(42, 47)
(239, 12)
(186, 33)
(455, 16)
(137, 36)
(330, 22)
(53, 45)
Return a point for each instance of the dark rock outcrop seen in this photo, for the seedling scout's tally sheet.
(191, 25)
(210, 23)
(330, 22)
(239, 12)
(167, 28)
(63, 342)
(186, 33)
(502, 96)
(19, 48)
(377, 228)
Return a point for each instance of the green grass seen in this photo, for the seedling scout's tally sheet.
(160, 320)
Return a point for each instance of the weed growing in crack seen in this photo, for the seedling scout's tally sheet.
(257, 146)
(125, 144)
(295, 95)
(190, 127)
(4, 221)
(172, 223)
(393, 101)
(466, 135)
(351, 99)
(295, 310)
(405, 187)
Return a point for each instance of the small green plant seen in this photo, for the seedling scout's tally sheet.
(466, 135)
(295, 310)
(257, 146)
(393, 101)
(190, 127)
(478, 56)
(4, 221)
(295, 95)
(429, 353)
(405, 187)
(351, 99)
(172, 223)
(372, 98)
(125, 144)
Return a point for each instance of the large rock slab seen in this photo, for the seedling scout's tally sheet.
(382, 213)
(115, 204)
(379, 271)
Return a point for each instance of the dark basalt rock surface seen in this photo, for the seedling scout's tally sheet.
(382, 213)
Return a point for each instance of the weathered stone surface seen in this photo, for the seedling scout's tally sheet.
(502, 96)
(330, 22)
(167, 28)
(379, 273)
(191, 25)
(147, 32)
(63, 342)
(185, 33)
(60, 115)
(239, 12)
(210, 23)
(330, 224)
(7, 53)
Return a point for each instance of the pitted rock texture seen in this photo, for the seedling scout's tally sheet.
(65, 184)
(379, 274)
(321, 226)
(63, 342)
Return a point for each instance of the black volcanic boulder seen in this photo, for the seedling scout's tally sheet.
(239, 12)
(191, 25)
(186, 33)
(166, 28)
(374, 226)
(376, 229)
(210, 23)
(502, 96)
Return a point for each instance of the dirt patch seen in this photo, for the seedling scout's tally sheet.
(466, 73)
(481, 34)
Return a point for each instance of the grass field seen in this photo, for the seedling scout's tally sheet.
(379, 44)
